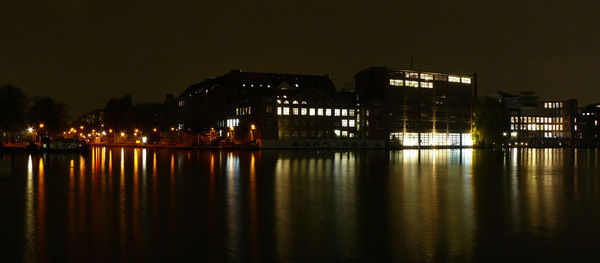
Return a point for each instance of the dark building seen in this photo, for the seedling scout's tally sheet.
(93, 119)
(409, 108)
(539, 123)
(273, 110)
(587, 128)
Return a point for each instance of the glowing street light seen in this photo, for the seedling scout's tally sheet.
(41, 125)
(81, 127)
(122, 134)
(30, 129)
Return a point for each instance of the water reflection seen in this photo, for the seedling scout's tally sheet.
(412, 205)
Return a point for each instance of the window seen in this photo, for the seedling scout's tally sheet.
(351, 123)
(337, 133)
(278, 110)
(303, 111)
(454, 79)
(344, 133)
(428, 85)
(320, 112)
(328, 112)
(336, 112)
(411, 83)
(465, 80)
(344, 112)
(295, 102)
(396, 82)
(344, 123)
(351, 113)
(412, 75)
(286, 110)
(425, 76)
(311, 111)
(295, 111)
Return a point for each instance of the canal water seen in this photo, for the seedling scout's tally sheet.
(126, 204)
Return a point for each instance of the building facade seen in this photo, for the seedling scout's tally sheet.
(274, 110)
(539, 123)
(408, 108)
(587, 126)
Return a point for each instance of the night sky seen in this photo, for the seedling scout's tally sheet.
(86, 52)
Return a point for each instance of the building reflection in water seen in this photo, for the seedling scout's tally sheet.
(413, 205)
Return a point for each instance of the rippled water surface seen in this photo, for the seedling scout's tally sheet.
(304, 206)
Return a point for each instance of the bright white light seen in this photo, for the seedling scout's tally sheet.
(513, 134)
(144, 139)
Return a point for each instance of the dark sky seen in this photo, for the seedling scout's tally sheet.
(86, 52)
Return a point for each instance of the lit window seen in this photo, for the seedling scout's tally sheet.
(320, 112)
(454, 79)
(328, 112)
(295, 111)
(351, 113)
(344, 112)
(428, 85)
(344, 123)
(412, 75)
(344, 133)
(286, 102)
(278, 110)
(286, 110)
(337, 133)
(426, 76)
(295, 102)
(465, 80)
(351, 123)
(311, 111)
(336, 112)
(279, 101)
(303, 111)
(396, 82)
(411, 83)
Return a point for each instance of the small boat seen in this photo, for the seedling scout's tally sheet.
(48, 144)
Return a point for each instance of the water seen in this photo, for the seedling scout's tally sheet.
(304, 206)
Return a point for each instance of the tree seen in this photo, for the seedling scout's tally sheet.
(13, 105)
(49, 112)
(490, 120)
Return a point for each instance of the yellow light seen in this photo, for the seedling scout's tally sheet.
(30, 129)
(154, 129)
(172, 128)
(231, 128)
(137, 141)
(110, 130)
(41, 125)
(81, 127)
(136, 130)
(122, 134)
(253, 127)
(135, 134)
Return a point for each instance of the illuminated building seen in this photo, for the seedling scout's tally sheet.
(587, 126)
(409, 108)
(273, 111)
(539, 123)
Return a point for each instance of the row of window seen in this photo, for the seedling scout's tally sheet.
(410, 83)
(517, 119)
(243, 111)
(428, 76)
(537, 127)
(553, 134)
(315, 111)
(432, 139)
(553, 105)
(284, 133)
